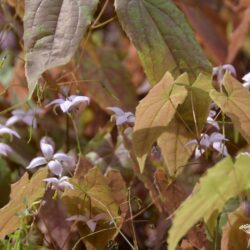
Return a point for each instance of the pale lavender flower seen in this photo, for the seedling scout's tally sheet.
(90, 222)
(246, 79)
(219, 72)
(8, 131)
(5, 149)
(59, 184)
(122, 117)
(210, 119)
(56, 162)
(215, 140)
(27, 117)
(71, 102)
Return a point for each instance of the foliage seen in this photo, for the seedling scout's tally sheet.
(121, 126)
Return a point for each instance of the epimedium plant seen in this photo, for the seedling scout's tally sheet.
(177, 119)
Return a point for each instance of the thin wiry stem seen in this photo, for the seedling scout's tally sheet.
(132, 223)
(76, 134)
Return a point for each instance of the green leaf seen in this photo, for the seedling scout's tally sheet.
(162, 37)
(184, 127)
(95, 194)
(23, 194)
(235, 103)
(52, 33)
(154, 113)
(224, 181)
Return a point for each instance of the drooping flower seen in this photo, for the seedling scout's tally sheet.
(91, 222)
(27, 117)
(122, 117)
(5, 149)
(71, 102)
(56, 162)
(8, 131)
(246, 79)
(59, 184)
(215, 140)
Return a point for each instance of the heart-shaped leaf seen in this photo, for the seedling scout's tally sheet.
(154, 113)
(162, 37)
(235, 103)
(52, 33)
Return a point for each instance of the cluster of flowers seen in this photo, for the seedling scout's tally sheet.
(216, 140)
(18, 116)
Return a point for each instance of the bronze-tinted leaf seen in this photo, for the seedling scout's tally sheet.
(235, 103)
(185, 127)
(52, 33)
(94, 195)
(23, 194)
(233, 238)
(162, 37)
(154, 113)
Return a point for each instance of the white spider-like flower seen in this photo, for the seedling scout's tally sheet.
(59, 184)
(122, 117)
(27, 117)
(246, 79)
(215, 140)
(90, 222)
(8, 131)
(57, 162)
(71, 102)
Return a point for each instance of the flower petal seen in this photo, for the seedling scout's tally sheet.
(213, 123)
(5, 149)
(47, 147)
(116, 110)
(65, 184)
(76, 100)
(64, 158)
(91, 225)
(221, 148)
(217, 137)
(121, 120)
(36, 162)
(246, 78)
(5, 130)
(55, 167)
(56, 101)
(12, 120)
(65, 106)
(77, 218)
(52, 180)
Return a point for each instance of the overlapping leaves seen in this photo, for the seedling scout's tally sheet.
(98, 195)
(172, 113)
(224, 181)
(154, 113)
(235, 103)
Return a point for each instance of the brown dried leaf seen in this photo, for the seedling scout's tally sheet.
(233, 238)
